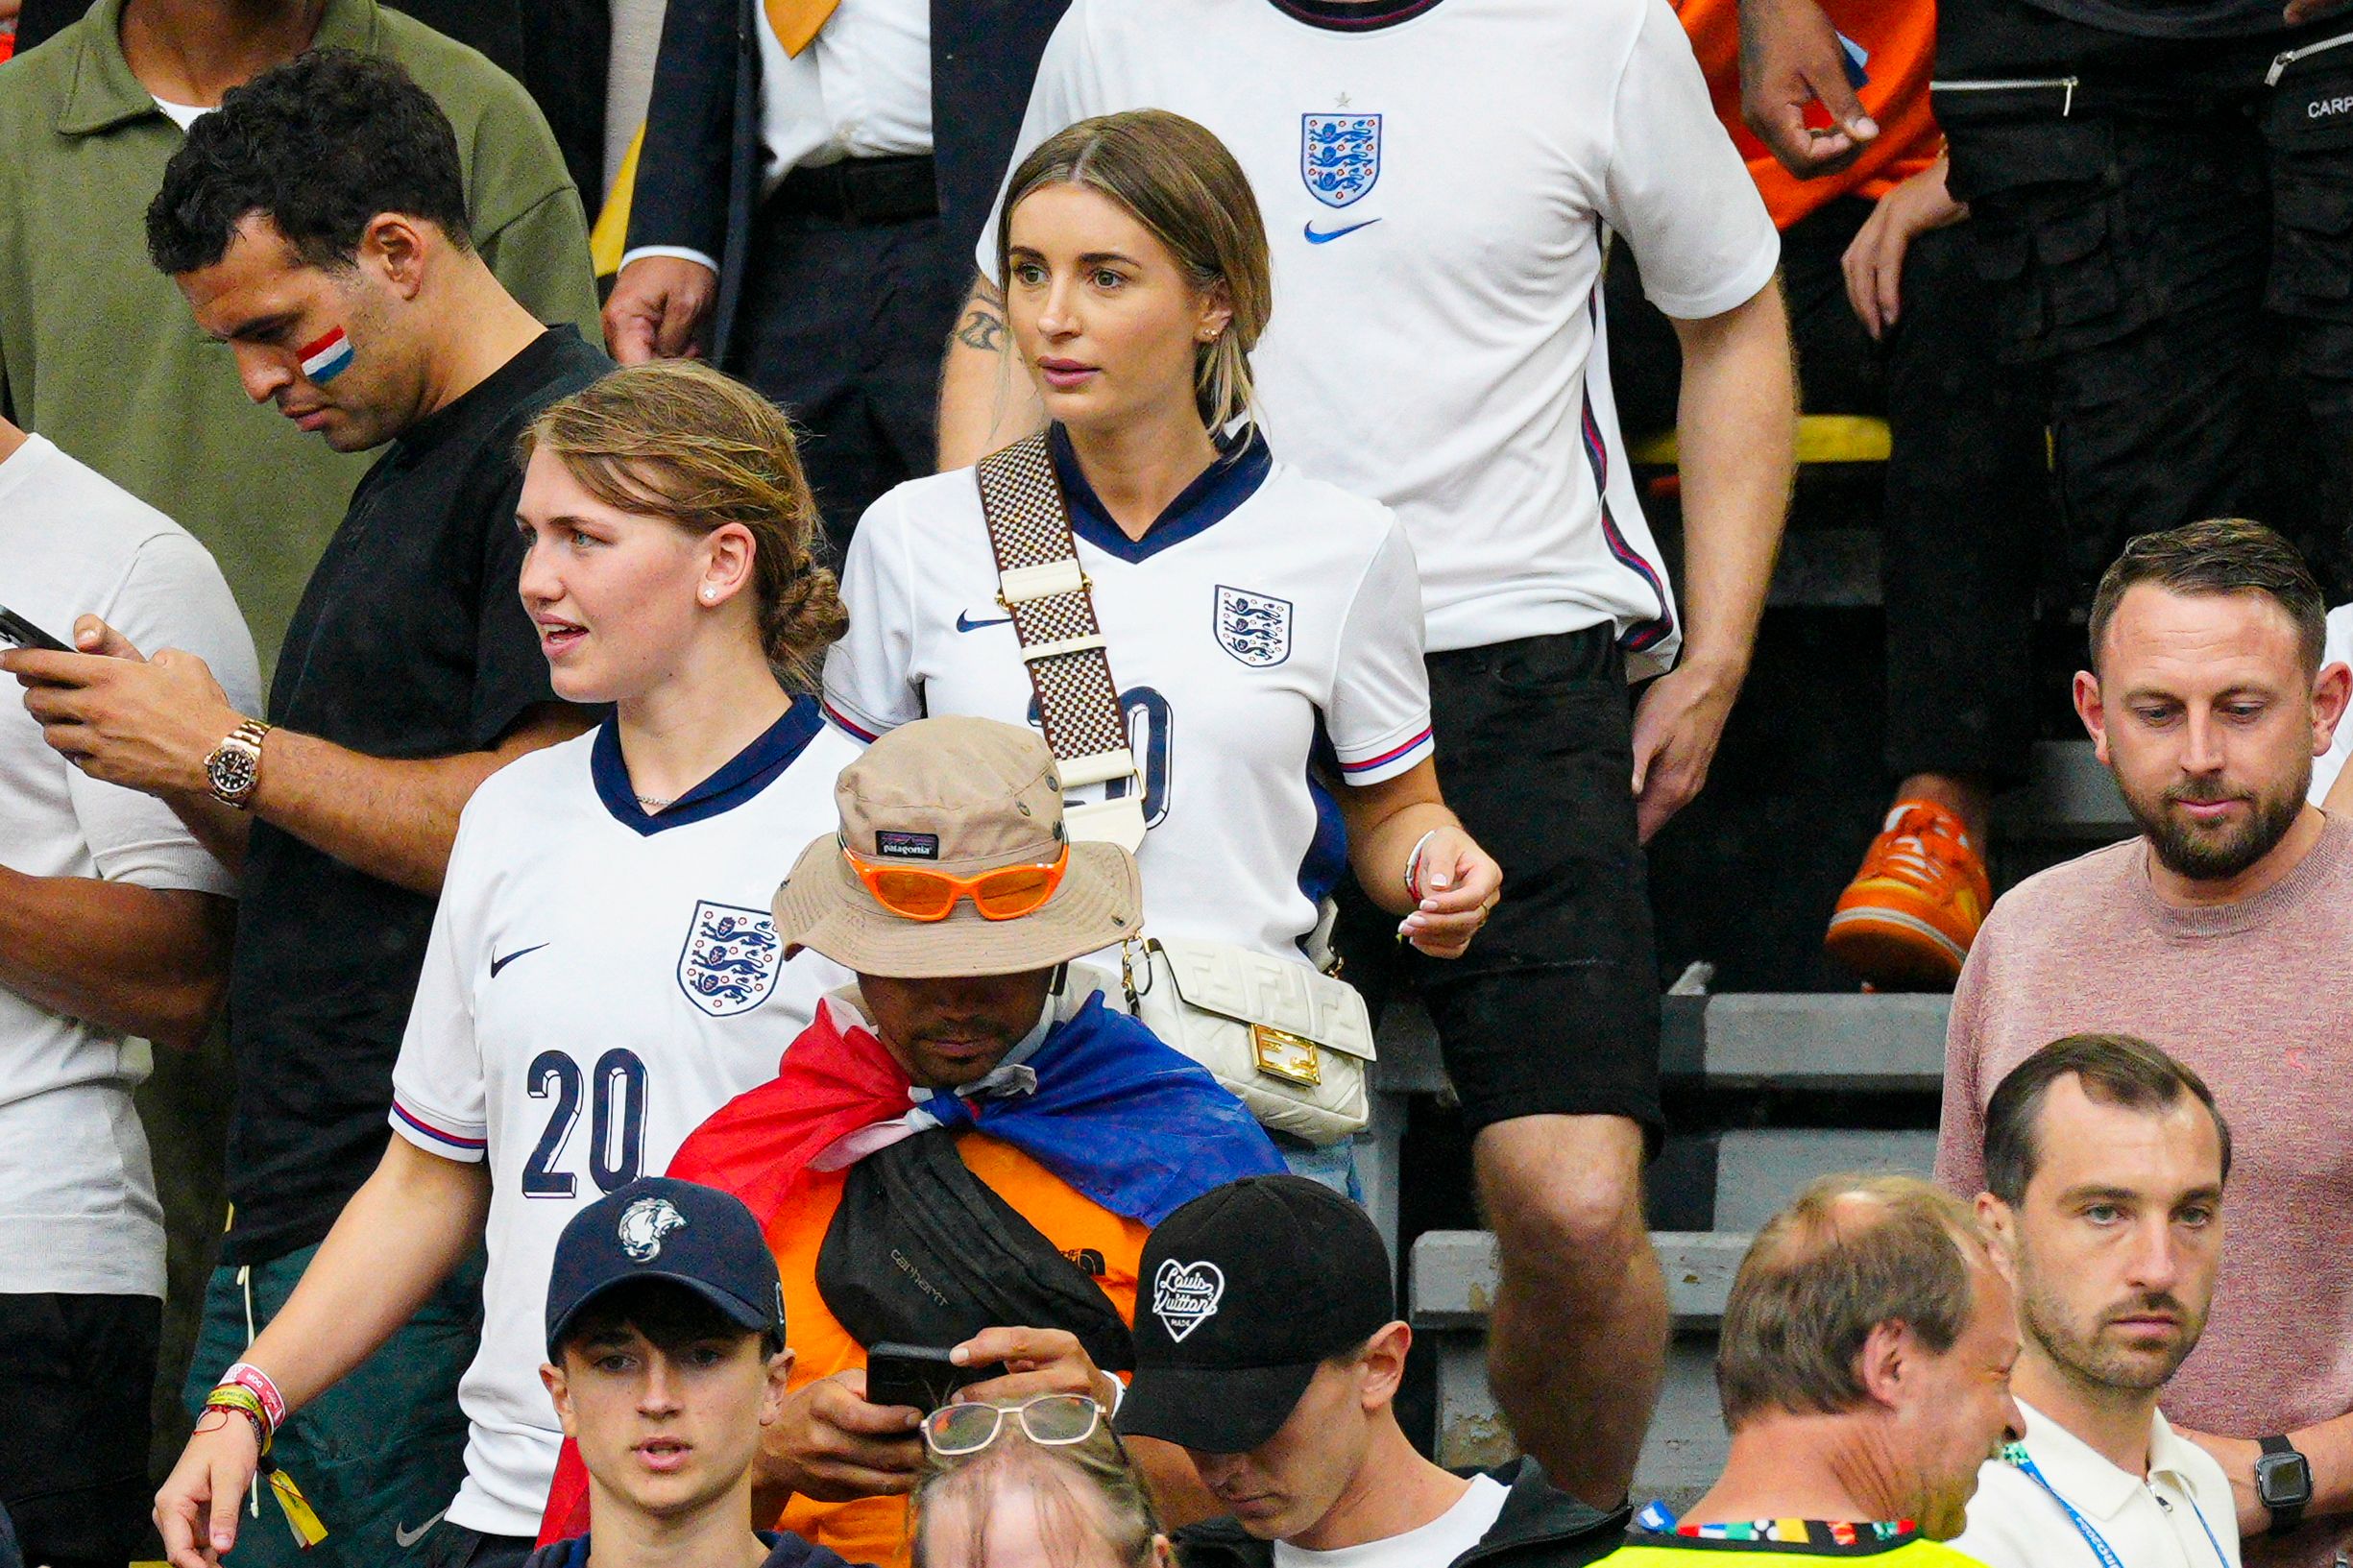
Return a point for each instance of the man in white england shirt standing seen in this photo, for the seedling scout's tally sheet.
(1439, 179)
(2106, 1161)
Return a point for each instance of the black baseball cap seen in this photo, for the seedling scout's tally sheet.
(657, 1228)
(1241, 1295)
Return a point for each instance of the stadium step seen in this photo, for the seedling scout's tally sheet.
(1453, 1292)
(2069, 798)
(1824, 1040)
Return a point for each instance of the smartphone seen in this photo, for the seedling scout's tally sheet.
(16, 632)
(919, 1375)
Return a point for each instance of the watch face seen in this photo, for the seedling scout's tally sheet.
(2283, 1481)
(232, 770)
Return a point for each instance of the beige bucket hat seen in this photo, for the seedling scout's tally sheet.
(963, 796)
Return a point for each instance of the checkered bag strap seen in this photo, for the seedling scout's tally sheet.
(1040, 585)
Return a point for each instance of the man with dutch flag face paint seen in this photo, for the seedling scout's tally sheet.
(316, 224)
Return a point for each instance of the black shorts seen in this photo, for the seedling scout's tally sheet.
(80, 1370)
(1555, 1008)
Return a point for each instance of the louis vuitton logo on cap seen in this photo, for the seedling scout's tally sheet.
(1185, 1295)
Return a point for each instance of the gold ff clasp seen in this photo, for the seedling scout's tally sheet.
(1286, 1055)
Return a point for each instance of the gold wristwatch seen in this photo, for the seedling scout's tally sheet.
(234, 767)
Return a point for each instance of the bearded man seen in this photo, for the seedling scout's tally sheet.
(2223, 933)
(2105, 1160)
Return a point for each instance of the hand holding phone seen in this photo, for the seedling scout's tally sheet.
(18, 632)
(921, 1376)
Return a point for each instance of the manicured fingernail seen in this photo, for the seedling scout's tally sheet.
(1442, 880)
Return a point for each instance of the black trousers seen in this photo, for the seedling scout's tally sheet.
(1967, 511)
(844, 324)
(2168, 227)
(80, 1370)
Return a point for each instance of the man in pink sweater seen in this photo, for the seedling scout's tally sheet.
(2223, 933)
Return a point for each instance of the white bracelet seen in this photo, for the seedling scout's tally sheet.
(1413, 866)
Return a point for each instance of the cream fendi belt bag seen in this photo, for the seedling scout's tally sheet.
(1288, 1041)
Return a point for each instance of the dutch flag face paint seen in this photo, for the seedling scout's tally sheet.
(326, 358)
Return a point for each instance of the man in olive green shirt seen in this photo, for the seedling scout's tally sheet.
(97, 349)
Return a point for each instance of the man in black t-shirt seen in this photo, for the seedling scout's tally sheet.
(2161, 194)
(316, 225)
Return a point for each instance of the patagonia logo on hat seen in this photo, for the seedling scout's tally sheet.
(899, 846)
(1184, 1295)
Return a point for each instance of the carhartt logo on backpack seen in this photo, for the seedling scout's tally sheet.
(1185, 1295)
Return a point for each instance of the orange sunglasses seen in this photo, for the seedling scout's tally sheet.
(920, 893)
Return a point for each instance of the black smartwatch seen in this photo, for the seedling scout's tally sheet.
(2283, 1481)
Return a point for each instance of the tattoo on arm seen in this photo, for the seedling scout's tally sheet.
(983, 330)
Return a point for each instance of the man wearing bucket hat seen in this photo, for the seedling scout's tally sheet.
(966, 1151)
(1267, 1346)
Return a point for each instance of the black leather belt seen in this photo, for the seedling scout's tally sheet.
(863, 190)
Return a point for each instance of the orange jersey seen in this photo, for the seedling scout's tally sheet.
(1106, 1246)
(1899, 36)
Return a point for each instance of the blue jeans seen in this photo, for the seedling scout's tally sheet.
(1333, 1164)
(382, 1453)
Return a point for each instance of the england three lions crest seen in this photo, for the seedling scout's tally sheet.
(730, 961)
(1340, 155)
(1255, 628)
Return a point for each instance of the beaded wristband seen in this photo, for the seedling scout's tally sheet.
(246, 1375)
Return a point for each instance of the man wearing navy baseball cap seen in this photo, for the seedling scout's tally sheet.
(666, 1361)
(1267, 1346)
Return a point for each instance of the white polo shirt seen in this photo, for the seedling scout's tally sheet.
(77, 1190)
(1436, 181)
(2181, 1515)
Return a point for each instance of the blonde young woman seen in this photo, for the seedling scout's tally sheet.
(1031, 1484)
(603, 972)
(1265, 628)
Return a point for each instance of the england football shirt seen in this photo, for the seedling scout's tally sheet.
(597, 982)
(1437, 177)
(1262, 613)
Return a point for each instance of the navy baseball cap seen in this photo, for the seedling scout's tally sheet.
(657, 1228)
(1240, 1296)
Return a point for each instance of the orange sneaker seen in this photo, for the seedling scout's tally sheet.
(1906, 922)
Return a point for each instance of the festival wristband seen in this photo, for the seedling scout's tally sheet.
(1413, 866)
(246, 1375)
(236, 1396)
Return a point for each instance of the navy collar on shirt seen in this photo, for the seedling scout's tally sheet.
(1222, 487)
(1353, 16)
(746, 774)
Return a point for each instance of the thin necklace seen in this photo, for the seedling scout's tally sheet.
(652, 804)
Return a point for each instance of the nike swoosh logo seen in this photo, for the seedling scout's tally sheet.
(1313, 238)
(410, 1537)
(965, 623)
(495, 965)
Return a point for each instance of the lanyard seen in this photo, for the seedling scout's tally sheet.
(2017, 1455)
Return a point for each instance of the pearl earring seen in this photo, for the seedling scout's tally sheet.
(710, 594)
